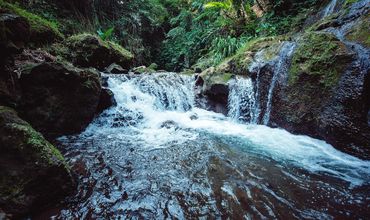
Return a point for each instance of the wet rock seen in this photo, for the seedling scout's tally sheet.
(169, 124)
(58, 98)
(116, 69)
(86, 50)
(194, 117)
(213, 90)
(106, 100)
(33, 173)
(142, 69)
(324, 96)
(104, 81)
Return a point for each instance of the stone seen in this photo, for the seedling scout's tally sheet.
(59, 99)
(33, 173)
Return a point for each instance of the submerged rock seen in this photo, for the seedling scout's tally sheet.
(33, 173)
(86, 50)
(59, 99)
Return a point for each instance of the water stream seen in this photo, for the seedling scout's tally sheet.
(156, 156)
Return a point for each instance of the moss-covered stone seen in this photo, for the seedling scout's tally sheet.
(59, 98)
(322, 56)
(41, 29)
(360, 32)
(87, 50)
(33, 173)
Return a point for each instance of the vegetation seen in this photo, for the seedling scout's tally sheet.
(38, 24)
(322, 55)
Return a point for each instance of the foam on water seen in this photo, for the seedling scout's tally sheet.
(151, 111)
(156, 156)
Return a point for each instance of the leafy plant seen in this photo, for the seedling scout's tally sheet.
(105, 35)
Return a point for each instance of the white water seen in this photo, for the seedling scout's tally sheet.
(241, 101)
(154, 100)
(281, 68)
(156, 156)
(280, 65)
(329, 9)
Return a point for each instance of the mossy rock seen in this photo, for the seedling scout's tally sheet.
(33, 173)
(322, 56)
(87, 50)
(239, 63)
(41, 30)
(59, 98)
(360, 32)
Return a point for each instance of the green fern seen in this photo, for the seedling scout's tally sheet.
(106, 35)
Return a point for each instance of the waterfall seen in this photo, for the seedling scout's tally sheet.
(329, 9)
(281, 67)
(143, 97)
(241, 102)
(156, 156)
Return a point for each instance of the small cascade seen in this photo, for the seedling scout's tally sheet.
(281, 68)
(329, 9)
(141, 97)
(241, 101)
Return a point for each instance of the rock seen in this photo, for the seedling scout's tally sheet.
(106, 100)
(86, 50)
(325, 95)
(33, 173)
(104, 81)
(214, 90)
(116, 69)
(169, 124)
(14, 34)
(41, 31)
(197, 70)
(153, 66)
(59, 99)
(142, 69)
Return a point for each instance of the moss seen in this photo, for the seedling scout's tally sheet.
(122, 51)
(320, 55)
(37, 23)
(36, 143)
(349, 2)
(26, 139)
(360, 32)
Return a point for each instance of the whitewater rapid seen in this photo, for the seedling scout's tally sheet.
(162, 156)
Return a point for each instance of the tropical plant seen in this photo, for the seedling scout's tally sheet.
(105, 35)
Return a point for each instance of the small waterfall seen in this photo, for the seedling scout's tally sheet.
(329, 9)
(140, 98)
(241, 101)
(281, 67)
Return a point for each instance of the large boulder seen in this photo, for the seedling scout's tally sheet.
(58, 98)
(33, 173)
(325, 95)
(14, 34)
(86, 50)
(41, 30)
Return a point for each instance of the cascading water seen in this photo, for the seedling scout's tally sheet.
(329, 9)
(241, 101)
(279, 65)
(156, 156)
